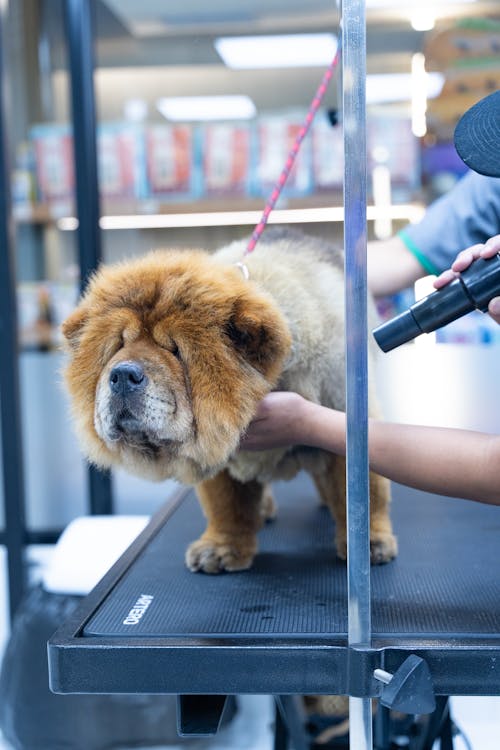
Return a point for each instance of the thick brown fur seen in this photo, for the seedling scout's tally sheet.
(169, 355)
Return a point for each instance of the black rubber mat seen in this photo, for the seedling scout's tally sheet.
(444, 583)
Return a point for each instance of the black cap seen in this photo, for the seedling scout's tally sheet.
(477, 136)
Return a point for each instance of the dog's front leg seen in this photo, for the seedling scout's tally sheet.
(234, 516)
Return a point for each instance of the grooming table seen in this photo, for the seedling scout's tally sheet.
(281, 627)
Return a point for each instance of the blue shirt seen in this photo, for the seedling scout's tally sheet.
(468, 214)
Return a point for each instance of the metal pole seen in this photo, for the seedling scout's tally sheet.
(358, 522)
(79, 29)
(10, 399)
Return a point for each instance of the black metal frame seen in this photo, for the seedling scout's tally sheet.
(10, 400)
(79, 25)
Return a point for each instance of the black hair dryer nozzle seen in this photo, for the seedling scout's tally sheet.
(472, 290)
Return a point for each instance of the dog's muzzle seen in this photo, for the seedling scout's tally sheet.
(127, 378)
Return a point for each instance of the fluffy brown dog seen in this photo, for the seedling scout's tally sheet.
(169, 355)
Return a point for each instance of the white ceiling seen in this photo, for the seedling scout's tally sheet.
(157, 17)
(168, 49)
(160, 32)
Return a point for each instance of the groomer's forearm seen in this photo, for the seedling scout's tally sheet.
(391, 267)
(457, 463)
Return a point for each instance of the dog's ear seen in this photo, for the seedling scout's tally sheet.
(259, 332)
(73, 325)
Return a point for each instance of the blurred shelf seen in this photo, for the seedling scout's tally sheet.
(217, 211)
(54, 211)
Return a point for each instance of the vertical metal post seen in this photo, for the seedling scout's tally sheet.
(79, 29)
(358, 556)
(10, 400)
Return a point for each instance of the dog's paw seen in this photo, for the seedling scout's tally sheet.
(209, 556)
(268, 509)
(341, 547)
(383, 549)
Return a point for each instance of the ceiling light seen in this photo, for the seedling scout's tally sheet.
(422, 19)
(196, 108)
(277, 51)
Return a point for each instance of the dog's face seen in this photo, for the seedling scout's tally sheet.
(168, 357)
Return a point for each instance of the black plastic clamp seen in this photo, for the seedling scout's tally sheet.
(409, 689)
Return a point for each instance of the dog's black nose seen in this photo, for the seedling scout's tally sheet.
(127, 377)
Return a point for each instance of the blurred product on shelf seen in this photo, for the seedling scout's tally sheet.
(53, 149)
(42, 308)
(467, 53)
(23, 186)
(186, 162)
(276, 135)
(44, 324)
(327, 155)
(121, 162)
(172, 170)
(227, 158)
(390, 142)
(467, 40)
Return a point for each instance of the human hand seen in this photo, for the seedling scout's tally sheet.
(463, 261)
(277, 423)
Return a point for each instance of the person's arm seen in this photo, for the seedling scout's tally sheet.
(452, 462)
(468, 214)
(391, 267)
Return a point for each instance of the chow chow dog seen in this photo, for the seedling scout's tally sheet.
(168, 357)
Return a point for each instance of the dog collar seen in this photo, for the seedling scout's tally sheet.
(244, 270)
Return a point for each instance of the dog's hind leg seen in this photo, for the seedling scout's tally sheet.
(331, 485)
(383, 543)
(234, 515)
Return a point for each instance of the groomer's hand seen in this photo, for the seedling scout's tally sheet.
(280, 421)
(463, 261)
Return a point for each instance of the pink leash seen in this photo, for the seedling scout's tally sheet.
(318, 97)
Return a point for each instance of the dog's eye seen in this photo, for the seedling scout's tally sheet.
(165, 340)
(172, 347)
